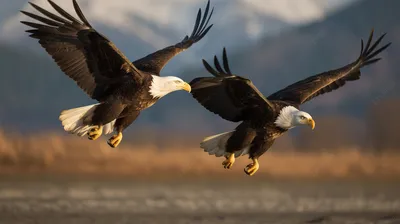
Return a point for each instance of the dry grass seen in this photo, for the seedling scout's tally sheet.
(51, 153)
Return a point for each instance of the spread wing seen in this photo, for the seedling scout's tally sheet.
(156, 61)
(82, 53)
(232, 97)
(305, 90)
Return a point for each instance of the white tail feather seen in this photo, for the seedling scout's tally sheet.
(72, 120)
(216, 145)
(109, 127)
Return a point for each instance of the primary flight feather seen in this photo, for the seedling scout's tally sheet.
(264, 119)
(122, 88)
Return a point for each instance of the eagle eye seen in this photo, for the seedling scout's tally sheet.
(302, 117)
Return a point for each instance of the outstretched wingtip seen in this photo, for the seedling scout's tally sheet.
(208, 4)
(197, 23)
(216, 62)
(225, 62)
(205, 32)
(369, 52)
(80, 13)
(201, 26)
(371, 33)
(66, 15)
(219, 71)
(382, 36)
(33, 5)
(75, 3)
(210, 69)
(31, 15)
(207, 7)
(24, 22)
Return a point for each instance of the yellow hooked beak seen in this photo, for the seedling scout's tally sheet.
(311, 123)
(186, 87)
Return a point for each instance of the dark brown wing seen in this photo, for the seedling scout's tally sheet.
(232, 97)
(305, 90)
(80, 51)
(156, 61)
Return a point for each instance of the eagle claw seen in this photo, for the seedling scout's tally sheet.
(115, 140)
(95, 133)
(230, 160)
(252, 168)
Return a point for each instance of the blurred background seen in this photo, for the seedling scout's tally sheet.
(274, 43)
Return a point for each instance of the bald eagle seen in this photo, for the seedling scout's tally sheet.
(122, 88)
(264, 119)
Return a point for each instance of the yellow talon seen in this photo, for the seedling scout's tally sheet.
(252, 168)
(115, 140)
(230, 160)
(95, 133)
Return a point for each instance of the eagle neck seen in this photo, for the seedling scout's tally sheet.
(285, 117)
(159, 87)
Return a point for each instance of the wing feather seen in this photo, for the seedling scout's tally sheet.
(64, 13)
(49, 14)
(226, 63)
(155, 62)
(305, 90)
(80, 13)
(82, 53)
(232, 97)
(210, 69)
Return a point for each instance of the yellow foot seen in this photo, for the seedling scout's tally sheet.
(230, 160)
(252, 168)
(95, 133)
(115, 140)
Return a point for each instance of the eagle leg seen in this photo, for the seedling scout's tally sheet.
(230, 160)
(115, 140)
(95, 133)
(252, 168)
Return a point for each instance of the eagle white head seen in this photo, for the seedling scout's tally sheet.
(161, 86)
(291, 117)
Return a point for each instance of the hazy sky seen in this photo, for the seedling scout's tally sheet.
(178, 13)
